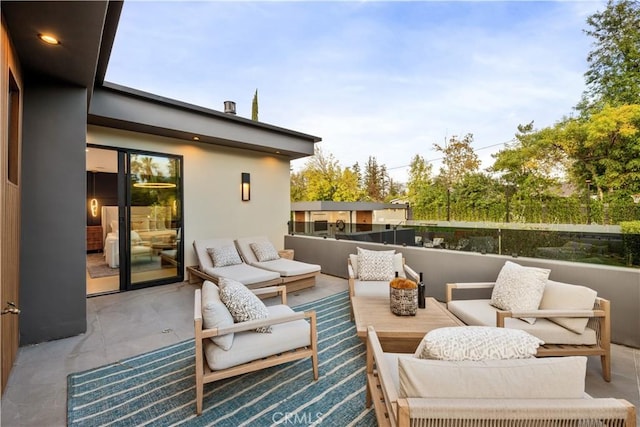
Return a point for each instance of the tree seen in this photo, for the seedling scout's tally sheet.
(419, 179)
(531, 164)
(459, 159)
(348, 187)
(318, 180)
(613, 76)
(254, 107)
(375, 180)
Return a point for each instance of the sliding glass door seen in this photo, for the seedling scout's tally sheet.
(154, 216)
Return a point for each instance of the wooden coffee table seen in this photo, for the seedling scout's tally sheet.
(399, 334)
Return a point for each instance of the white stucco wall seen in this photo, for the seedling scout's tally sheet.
(212, 205)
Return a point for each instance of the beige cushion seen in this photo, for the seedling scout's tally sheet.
(536, 378)
(248, 346)
(215, 314)
(264, 251)
(242, 303)
(372, 288)
(224, 255)
(519, 288)
(243, 273)
(562, 296)
(480, 312)
(477, 343)
(201, 246)
(288, 267)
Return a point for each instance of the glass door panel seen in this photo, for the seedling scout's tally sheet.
(155, 219)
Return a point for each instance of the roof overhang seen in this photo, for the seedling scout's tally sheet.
(86, 30)
(124, 108)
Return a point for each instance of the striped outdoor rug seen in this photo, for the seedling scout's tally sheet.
(158, 388)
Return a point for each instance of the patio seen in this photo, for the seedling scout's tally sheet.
(127, 324)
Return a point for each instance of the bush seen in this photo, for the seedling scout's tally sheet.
(631, 238)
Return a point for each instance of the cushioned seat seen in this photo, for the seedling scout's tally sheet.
(248, 345)
(235, 269)
(259, 252)
(284, 267)
(235, 333)
(243, 273)
(407, 391)
(481, 313)
(288, 267)
(571, 319)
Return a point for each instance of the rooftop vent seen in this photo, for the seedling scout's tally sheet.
(230, 107)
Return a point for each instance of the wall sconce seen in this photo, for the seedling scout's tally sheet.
(94, 207)
(246, 187)
(93, 204)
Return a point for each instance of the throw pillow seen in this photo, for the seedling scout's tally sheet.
(223, 256)
(242, 303)
(264, 251)
(519, 288)
(215, 314)
(375, 265)
(563, 296)
(477, 343)
(398, 264)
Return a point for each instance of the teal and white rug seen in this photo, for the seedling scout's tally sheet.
(158, 388)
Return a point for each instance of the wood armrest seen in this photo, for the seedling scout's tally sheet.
(502, 314)
(352, 274)
(280, 290)
(253, 324)
(411, 274)
(466, 285)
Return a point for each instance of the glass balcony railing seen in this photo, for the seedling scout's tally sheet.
(587, 244)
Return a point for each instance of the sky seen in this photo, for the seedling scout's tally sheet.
(386, 79)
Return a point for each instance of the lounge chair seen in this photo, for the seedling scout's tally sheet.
(295, 275)
(252, 277)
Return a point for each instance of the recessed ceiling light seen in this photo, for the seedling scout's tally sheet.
(195, 138)
(48, 38)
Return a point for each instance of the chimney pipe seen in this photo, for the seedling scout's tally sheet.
(230, 107)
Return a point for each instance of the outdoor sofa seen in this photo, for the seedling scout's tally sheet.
(518, 392)
(571, 319)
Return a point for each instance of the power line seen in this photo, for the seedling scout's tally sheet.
(442, 158)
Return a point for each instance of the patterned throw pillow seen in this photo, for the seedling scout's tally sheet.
(519, 288)
(477, 343)
(242, 303)
(224, 255)
(264, 251)
(375, 265)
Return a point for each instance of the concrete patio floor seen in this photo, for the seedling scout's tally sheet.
(130, 323)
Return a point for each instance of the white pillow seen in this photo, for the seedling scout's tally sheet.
(215, 314)
(563, 296)
(114, 226)
(242, 303)
(135, 237)
(264, 251)
(477, 343)
(376, 265)
(223, 256)
(536, 378)
(519, 288)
